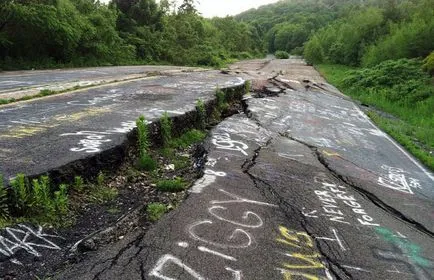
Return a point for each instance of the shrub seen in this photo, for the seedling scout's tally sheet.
(281, 55)
(428, 65)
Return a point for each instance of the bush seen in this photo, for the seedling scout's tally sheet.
(281, 55)
(428, 65)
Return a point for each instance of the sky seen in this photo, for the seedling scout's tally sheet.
(221, 8)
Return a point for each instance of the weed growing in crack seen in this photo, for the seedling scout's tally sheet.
(166, 128)
(201, 113)
(35, 201)
(155, 211)
(248, 86)
(21, 194)
(221, 100)
(174, 185)
(78, 184)
(61, 200)
(42, 197)
(187, 139)
(100, 179)
(4, 208)
(143, 134)
(145, 162)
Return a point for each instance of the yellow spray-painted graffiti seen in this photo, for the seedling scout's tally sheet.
(289, 275)
(302, 264)
(31, 129)
(330, 154)
(291, 237)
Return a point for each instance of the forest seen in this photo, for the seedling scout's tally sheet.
(55, 33)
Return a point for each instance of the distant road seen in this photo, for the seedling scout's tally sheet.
(20, 79)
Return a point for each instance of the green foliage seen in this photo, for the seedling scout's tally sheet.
(4, 208)
(201, 113)
(174, 185)
(46, 92)
(428, 65)
(100, 179)
(100, 192)
(87, 32)
(36, 201)
(155, 211)
(142, 135)
(187, 139)
(374, 31)
(221, 100)
(21, 193)
(166, 128)
(146, 163)
(405, 80)
(78, 184)
(281, 54)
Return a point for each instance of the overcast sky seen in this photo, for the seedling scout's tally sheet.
(221, 8)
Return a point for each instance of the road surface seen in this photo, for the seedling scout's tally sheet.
(300, 186)
(16, 84)
(44, 134)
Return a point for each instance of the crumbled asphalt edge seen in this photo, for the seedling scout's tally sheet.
(110, 160)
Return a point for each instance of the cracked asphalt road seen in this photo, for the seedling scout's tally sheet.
(16, 84)
(45, 134)
(300, 186)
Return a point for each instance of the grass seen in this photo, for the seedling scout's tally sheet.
(187, 139)
(155, 211)
(399, 89)
(173, 185)
(100, 192)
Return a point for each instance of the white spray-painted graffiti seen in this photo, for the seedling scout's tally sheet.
(93, 140)
(223, 141)
(209, 178)
(240, 238)
(395, 179)
(25, 238)
(330, 196)
(95, 100)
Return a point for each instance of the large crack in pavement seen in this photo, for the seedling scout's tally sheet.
(369, 195)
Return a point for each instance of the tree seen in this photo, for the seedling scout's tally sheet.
(187, 7)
